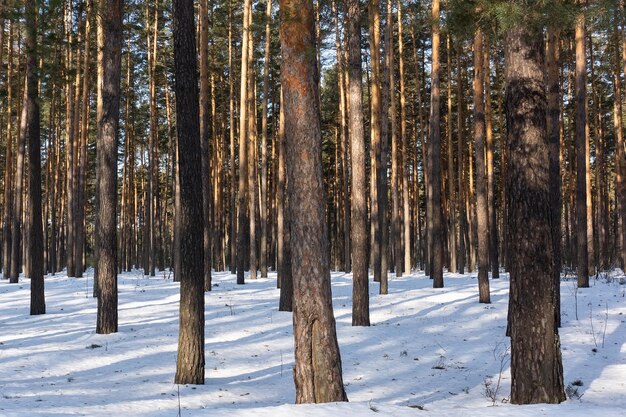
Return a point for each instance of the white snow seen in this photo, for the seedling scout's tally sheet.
(428, 352)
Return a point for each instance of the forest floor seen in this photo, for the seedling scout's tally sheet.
(428, 352)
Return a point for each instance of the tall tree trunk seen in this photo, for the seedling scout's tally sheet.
(285, 277)
(536, 368)
(581, 155)
(69, 142)
(491, 192)
(190, 361)
(358, 212)
(404, 134)
(109, 72)
(30, 117)
(375, 121)
(452, 199)
(461, 159)
(317, 372)
(482, 211)
(383, 166)
(243, 150)
(620, 164)
(396, 231)
(434, 157)
(8, 174)
(231, 124)
(204, 140)
(82, 154)
(251, 139)
(554, 144)
(16, 232)
(263, 196)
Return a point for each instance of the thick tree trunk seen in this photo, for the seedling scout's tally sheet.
(536, 368)
(109, 72)
(358, 212)
(317, 372)
(482, 211)
(190, 361)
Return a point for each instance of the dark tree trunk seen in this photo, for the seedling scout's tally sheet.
(109, 72)
(31, 111)
(494, 254)
(7, 246)
(536, 368)
(204, 140)
(358, 212)
(285, 280)
(554, 143)
(482, 211)
(190, 362)
(317, 372)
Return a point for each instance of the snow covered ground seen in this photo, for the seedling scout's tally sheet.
(428, 352)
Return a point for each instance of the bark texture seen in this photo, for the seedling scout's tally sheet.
(317, 372)
(190, 361)
(109, 72)
(536, 367)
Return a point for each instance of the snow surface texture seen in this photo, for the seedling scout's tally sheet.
(431, 352)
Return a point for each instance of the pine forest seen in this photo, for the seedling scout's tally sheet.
(237, 207)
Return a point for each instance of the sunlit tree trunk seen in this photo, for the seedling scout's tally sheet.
(434, 157)
(482, 211)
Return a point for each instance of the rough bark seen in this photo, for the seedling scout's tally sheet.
(190, 360)
(358, 212)
(482, 211)
(31, 114)
(536, 368)
(554, 145)
(317, 372)
(109, 72)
